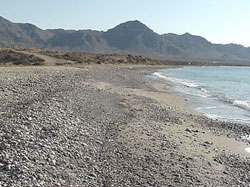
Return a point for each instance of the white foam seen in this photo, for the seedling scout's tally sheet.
(247, 137)
(247, 149)
(209, 107)
(188, 84)
(212, 116)
(204, 90)
(242, 104)
(192, 93)
(176, 80)
(160, 75)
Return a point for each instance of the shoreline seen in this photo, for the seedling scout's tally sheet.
(110, 125)
(193, 101)
(209, 138)
(182, 102)
(182, 105)
(162, 86)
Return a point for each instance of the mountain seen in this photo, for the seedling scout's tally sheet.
(82, 40)
(20, 34)
(132, 37)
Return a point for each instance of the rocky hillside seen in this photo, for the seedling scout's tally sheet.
(132, 37)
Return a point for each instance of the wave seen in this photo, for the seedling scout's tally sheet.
(160, 75)
(242, 104)
(189, 84)
(212, 116)
(202, 92)
(209, 107)
(216, 95)
(226, 118)
(176, 80)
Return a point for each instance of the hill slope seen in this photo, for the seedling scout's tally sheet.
(130, 37)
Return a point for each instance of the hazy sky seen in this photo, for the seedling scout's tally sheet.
(219, 21)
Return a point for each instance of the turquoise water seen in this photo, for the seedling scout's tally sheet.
(221, 93)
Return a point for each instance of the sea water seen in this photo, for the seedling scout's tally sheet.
(221, 93)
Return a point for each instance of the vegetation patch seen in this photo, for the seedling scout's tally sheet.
(84, 58)
(89, 58)
(11, 57)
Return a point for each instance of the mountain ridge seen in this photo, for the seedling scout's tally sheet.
(132, 37)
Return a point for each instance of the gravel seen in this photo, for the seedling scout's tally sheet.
(58, 129)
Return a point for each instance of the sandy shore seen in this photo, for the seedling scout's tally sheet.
(110, 125)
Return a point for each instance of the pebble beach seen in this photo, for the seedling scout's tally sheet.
(110, 125)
